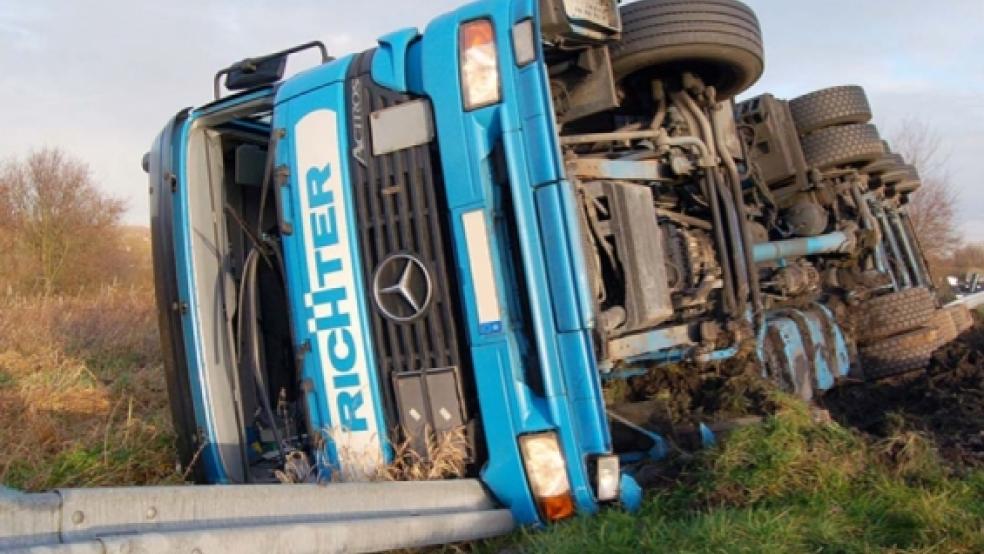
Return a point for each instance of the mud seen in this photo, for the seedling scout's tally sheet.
(946, 402)
(687, 395)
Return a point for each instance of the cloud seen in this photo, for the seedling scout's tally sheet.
(100, 78)
(915, 63)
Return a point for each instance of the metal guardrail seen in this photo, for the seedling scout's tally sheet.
(972, 301)
(342, 517)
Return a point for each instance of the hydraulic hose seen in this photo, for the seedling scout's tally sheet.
(722, 202)
(734, 236)
(275, 136)
(252, 341)
(709, 190)
(745, 233)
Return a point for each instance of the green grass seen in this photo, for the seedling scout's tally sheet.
(82, 392)
(791, 485)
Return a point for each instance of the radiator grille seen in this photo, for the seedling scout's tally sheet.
(399, 198)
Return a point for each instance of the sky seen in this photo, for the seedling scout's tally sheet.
(100, 78)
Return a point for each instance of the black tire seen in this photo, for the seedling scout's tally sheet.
(845, 145)
(946, 327)
(906, 187)
(886, 163)
(962, 318)
(895, 313)
(899, 354)
(828, 107)
(899, 174)
(718, 40)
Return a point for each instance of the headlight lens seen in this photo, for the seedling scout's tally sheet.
(479, 63)
(547, 472)
(524, 44)
(608, 478)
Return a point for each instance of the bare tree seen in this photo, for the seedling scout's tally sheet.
(967, 258)
(933, 208)
(62, 225)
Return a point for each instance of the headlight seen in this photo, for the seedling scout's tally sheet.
(608, 478)
(479, 63)
(524, 42)
(547, 472)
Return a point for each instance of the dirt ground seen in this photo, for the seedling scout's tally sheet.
(946, 402)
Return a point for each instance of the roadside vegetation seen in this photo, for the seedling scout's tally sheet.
(792, 484)
(82, 399)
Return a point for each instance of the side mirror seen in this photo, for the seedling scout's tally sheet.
(263, 70)
(256, 72)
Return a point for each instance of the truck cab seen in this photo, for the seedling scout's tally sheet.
(379, 255)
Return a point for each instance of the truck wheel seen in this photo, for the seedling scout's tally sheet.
(945, 327)
(886, 163)
(899, 354)
(895, 313)
(906, 187)
(899, 174)
(828, 107)
(962, 318)
(719, 40)
(842, 146)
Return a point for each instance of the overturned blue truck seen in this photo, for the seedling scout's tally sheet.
(468, 232)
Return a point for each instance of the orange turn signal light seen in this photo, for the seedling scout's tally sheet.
(556, 508)
(477, 33)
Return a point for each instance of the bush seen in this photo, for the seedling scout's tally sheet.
(59, 232)
(82, 393)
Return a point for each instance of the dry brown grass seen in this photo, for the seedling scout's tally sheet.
(445, 457)
(82, 394)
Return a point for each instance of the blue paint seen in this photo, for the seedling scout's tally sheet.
(624, 374)
(719, 355)
(630, 493)
(842, 355)
(389, 65)
(490, 328)
(807, 246)
(803, 332)
(558, 296)
(707, 438)
(210, 458)
(326, 91)
(213, 466)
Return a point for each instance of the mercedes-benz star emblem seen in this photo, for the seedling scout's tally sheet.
(402, 288)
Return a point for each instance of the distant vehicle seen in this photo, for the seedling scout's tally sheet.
(971, 283)
(477, 228)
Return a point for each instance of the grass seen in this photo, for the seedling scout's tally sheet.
(82, 394)
(82, 403)
(791, 485)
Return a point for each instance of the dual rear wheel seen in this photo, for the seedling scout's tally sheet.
(718, 40)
